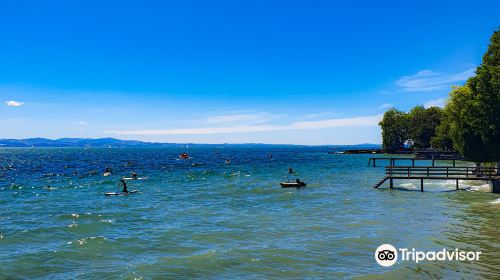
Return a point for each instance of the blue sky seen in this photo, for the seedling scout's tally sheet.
(300, 72)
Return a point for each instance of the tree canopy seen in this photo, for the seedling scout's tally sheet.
(472, 115)
(422, 125)
(394, 130)
(417, 126)
(469, 123)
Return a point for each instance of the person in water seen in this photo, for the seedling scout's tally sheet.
(290, 170)
(107, 170)
(133, 175)
(124, 185)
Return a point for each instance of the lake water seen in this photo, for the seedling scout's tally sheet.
(217, 221)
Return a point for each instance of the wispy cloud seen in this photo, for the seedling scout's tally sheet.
(83, 123)
(254, 118)
(13, 103)
(320, 115)
(363, 121)
(386, 106)
(440, 102)
(427, 80)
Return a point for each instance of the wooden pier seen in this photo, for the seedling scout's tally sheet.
(438, 173)
(392, 160)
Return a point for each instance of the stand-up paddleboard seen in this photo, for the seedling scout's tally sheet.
(139, 178)
(120, 193)
(106, 174)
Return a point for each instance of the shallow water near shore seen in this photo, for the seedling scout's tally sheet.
(212, 220)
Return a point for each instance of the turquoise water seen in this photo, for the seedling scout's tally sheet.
(217, 221)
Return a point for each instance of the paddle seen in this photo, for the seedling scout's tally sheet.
(118, 186)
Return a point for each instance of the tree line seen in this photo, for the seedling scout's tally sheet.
(468, 124)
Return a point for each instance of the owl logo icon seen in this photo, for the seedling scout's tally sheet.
(386, 255)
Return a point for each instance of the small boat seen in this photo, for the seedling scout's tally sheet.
(184, 156)
(293, 184)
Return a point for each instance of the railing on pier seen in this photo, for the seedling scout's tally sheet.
(392, 160)
(437, 172)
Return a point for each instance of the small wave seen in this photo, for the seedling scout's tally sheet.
(86, 240)
(496, 201)
(480, 188)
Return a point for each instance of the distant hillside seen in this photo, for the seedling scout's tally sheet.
(74, 142)
(112, 142)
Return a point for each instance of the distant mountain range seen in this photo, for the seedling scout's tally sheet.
(112, 142)
(74, 142)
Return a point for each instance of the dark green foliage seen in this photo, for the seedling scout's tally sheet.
(422, 125)
(485, 99)
(419, 126)
(461, 117)
(470, 122)
(442, 140)
(471, 119)
(394, 130)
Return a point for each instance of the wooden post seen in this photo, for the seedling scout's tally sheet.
(374, 162)
(421, 185)
(432, 161)
(412, 162)
(453, 163)
(391, 183)
(457, 184)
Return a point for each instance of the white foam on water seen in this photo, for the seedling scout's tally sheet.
(409, 186)
(496, 201)
(480, 188)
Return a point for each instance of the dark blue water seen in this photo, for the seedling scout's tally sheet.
(215, 220)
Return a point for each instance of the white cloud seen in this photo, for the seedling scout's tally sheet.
(440, 102)
(241, 118)
(386, 106)
(13, 103)
(320, 115)
(83, 122)
(427, 80)
(363, 121)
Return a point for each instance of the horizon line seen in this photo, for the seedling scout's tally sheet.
(191, 143)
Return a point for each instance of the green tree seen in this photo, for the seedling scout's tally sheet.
(471, 118)
(422, 125)
(394, 126)
(461, 115)
(442, 140)
(485, 99)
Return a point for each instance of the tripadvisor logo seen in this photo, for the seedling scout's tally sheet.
(387, 255)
